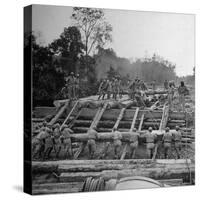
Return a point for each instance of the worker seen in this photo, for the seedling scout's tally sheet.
(101, 90)
(132, 89)
(115, 88)
(170, 95)
(57, 142)
(117, 143)
(48, 143)
(119, 85)
(150, 140)
(154, 85)
(166, 85)
(66, 141)
(143, 85)
(182, 91)
(177, 136)
(133, 143)
(77, 86)
(71, 86)
(91, 144)
(167, 140)
(109, 89)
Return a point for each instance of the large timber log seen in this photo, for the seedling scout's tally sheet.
(101, 165)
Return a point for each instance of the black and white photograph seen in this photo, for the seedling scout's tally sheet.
(112, 99)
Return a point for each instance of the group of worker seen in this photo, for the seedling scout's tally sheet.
(112, 88)
(52, 138)
(72, 86)
(58, 139)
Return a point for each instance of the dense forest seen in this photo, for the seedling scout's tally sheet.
(81, 48)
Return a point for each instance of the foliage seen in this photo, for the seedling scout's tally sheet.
(93, 26)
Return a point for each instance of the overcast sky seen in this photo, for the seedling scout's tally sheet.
(134, 33)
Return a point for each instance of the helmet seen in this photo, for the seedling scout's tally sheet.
(134, 129)
(167, 129)
(150, 129)
(177, 127)
(72, 73)
(64, 126)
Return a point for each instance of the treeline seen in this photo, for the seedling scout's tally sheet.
(80, 48)
(148, 69)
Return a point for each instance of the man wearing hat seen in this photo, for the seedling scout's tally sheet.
(71, 85)
(117, 136)
(91, 144)
(177, 136)
(66, 141)
(56, 136)
(150, 140)
(133, 143)
(167, 140)
(48, 142)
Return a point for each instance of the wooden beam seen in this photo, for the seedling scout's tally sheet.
(141, 122)
(68, 116)
(119, 118)
(134, 119)
(124, 152)
(60, 112)
(165, 116)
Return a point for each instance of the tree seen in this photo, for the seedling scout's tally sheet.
(69, 46)
(93, 26)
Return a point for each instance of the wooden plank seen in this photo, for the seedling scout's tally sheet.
(98, 116)
(165, 116)
(60, 112)
(119, 118)
(124, 152)
(68, 116)
(134, 119)
(80, 149)
(141, 122)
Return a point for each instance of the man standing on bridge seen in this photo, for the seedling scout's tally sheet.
(71, 86)
(182, 91)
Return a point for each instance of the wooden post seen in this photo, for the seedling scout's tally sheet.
(119, 118)
(73, 108)
(134, 119)
(141, 122)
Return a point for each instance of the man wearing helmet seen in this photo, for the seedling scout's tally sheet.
(167, 140)
(71, 85)
(133, 143)
(91, 144)
(182, 91)
(150, 140)
(177, 136)
(66, 140)
(117, 143)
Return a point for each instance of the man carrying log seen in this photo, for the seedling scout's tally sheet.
(133, 143)
(182, 91)
(91, 144)
(177, 136)
(117, 136)
(150, 140)
(167, 140)
(66, 141)
(56, 139)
